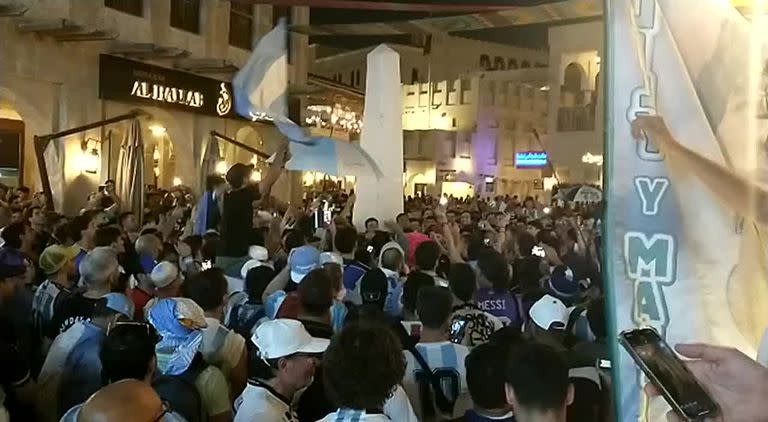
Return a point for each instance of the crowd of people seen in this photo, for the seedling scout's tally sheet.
(247, 309)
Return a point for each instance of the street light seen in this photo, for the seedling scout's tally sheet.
(221, 167)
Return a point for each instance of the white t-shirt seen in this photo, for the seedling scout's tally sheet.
(473, 326)
(349, 415)
(398, 407)
(221, 346)
(446, 360)
(258, 403)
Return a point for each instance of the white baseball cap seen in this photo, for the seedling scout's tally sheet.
(284, 337)
(549, 313)
(258, 253)
(259, 257)
(164, 274)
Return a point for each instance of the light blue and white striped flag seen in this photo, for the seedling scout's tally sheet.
(686, 249)
(333, 157)
(261, 86)
(261, 90)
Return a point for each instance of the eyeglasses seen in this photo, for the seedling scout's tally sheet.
(165, 410)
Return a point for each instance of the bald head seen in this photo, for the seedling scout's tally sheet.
(127, 400)
(392, 259)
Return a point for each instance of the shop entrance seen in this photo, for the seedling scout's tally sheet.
(160, 159)
(11, 151)
(420, 190)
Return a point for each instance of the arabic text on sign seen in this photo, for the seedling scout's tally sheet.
(531, 159)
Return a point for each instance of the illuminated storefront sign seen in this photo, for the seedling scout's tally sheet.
(168, 94)
(126, 80)
(531, 159)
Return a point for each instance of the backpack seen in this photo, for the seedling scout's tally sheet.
(443, 403)
(180, 391)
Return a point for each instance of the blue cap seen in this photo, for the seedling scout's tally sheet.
(302, 260)
(562, 284)
(13, 263)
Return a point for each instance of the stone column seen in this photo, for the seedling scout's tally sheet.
(382, 138)
(299, 63)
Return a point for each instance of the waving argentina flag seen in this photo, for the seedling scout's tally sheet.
(262, 84)
(261, 90)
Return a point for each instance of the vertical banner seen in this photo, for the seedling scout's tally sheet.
(681, 255)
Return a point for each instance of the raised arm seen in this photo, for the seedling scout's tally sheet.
(452, 245)
(278, 283)
(397, 234)
(742, 195)
(347, 211)
(275, 170)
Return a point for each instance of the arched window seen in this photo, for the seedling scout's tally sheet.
(485, 62)
(498, 63)
(573, 76)
(414, 76)
(525, 64)
(512, 64)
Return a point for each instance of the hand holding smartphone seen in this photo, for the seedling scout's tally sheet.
(668, 374)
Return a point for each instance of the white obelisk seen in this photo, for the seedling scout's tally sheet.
(382, 138)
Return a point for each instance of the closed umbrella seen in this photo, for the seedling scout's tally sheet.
(211, 157)
(129, 181)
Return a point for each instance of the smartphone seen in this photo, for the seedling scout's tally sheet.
(458, 327)
(668, 374)
(604, 363)
(538, 251)
(327, 218)
(206, 265)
